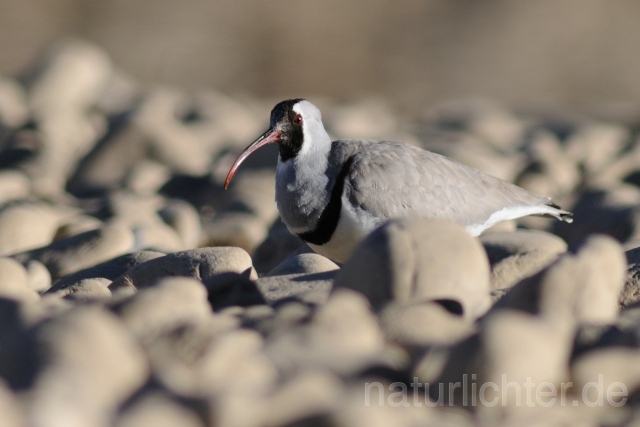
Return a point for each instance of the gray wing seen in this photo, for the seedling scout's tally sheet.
(395, 180)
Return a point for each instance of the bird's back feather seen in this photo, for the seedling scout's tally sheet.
(394, 180)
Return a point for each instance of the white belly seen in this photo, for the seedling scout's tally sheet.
(352, 227)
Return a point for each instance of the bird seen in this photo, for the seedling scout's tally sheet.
(332, 194)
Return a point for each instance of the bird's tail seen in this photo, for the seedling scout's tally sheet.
(559, 213)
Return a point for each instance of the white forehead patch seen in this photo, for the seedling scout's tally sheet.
(312, 128)
(307, 110)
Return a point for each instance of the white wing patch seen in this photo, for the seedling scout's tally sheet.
(506, 214)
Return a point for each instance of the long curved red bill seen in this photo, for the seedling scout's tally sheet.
(267, 138)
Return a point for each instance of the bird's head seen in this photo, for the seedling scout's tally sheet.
(295, 124)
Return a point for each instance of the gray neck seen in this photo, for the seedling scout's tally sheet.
(302, 184)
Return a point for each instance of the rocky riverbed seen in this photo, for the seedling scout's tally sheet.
(135, 291)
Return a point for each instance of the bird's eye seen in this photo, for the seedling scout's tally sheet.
(297, 120)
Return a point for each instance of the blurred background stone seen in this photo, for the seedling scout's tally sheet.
(428, 52)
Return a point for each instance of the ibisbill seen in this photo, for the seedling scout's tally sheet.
(333, 193)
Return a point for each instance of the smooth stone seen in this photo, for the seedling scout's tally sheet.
(14, 110)
(49, 307)
(238, 409)
(279, 245)
(14, 185)
(38, 276)
(617, 170)
(25, 226)
(198, 361)
(260, 318)
(519, 254)
(496, 124)
(385, 408)
(155, 235)
(252, 191)
(555, 169)
(66, 136)
(232, 289)
(423, 324)
(239, 229)
(78, 224)
(109, 270)
(184, 219)
(70, 255)
(147, 177)
(200, 264)
(579, 288)
(306, 263)
(70, 77)
(120, 95)
(171, 302)
(307, 396)
(172, 142)
(299, 275)
(511, 270)
(523, 348)
(107, 165)
(86, 353)
(85, 290)
(500, 245)
(141, 214)
(511, 347)
(292, 313)
(611, 370)
(14, 282)
(308, 287)
(597, 145)
(469, 150)
(158, 409)
(419, 260)
(594, 337)
(344, 336)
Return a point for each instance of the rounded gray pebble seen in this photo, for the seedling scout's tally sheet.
(14, 281)
(519, 254)
(38, 276)
(25, 226)
(96, 289)
(309, 395)
(344, 336)
(89, 355)
(423, 324)
(159, 410)
(109, 270)
(302, 274)
(419, 260)
(14, 185)
(615, 371)
(578, 288)
(67, 256)
(200, 264)
(511, 347)
(184, 219)
(173, 301)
